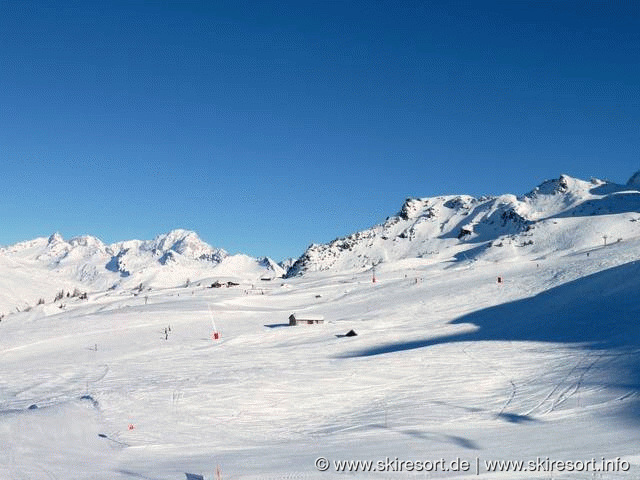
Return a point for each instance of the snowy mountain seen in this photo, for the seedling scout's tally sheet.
(287, 263)
(42, 267)
(273, 267)
(634, 181)
(561, 214)
(178, 372)
(178, 247)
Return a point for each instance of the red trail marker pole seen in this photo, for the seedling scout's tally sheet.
(216, 334)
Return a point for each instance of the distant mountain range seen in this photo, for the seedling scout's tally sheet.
(564, 214)
(43, 266)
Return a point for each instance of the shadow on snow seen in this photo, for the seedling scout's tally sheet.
(597, 313)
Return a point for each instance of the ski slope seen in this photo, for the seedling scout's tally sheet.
(448, 363)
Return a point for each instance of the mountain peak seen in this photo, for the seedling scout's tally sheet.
(86, 241)
(565, 184)
(187, 243)
(167, 241)
(551, 187)
(634, 181)
(55, 238)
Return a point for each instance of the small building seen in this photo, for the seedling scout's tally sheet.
(305, 319)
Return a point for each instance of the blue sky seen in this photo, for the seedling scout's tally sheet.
(266, 126)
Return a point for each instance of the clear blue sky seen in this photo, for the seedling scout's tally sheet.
(267, 126)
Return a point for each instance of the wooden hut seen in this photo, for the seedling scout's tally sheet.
(305, 319)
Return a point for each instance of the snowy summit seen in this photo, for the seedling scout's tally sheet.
(561, 214)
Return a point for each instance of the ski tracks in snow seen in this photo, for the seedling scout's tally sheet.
(574, 380)
(561, 390)
(514, 388)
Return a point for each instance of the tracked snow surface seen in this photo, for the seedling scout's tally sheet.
(448, 362)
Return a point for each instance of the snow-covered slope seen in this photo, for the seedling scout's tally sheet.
(40, 268)
(561, 214)
(447, 364)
